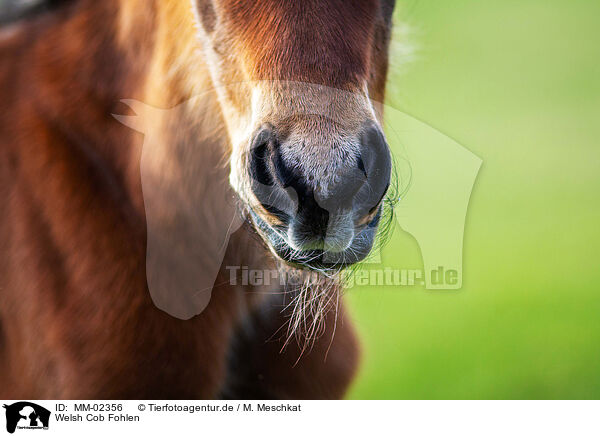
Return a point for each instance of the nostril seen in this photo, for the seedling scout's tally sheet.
(375, 157)
(267, 164)
(287, 175)
(376, 206)
(361, 166)
(266, 182)
(376, 162)
(260, 162)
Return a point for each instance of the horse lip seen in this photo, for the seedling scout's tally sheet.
(315, 259)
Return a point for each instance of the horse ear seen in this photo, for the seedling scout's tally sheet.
(5, 406)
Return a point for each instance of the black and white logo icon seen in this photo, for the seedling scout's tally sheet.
(26, 415)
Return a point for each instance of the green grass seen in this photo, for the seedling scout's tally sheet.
(518, 83)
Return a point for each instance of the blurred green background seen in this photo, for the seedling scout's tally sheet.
(517, 82)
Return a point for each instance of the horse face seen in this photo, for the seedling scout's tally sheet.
(295, 81)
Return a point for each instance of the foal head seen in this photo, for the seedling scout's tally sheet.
(295, 81)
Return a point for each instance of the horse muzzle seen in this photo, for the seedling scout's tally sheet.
(321, 215)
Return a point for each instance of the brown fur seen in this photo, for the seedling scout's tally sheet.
(76, 318)
(303, 34)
